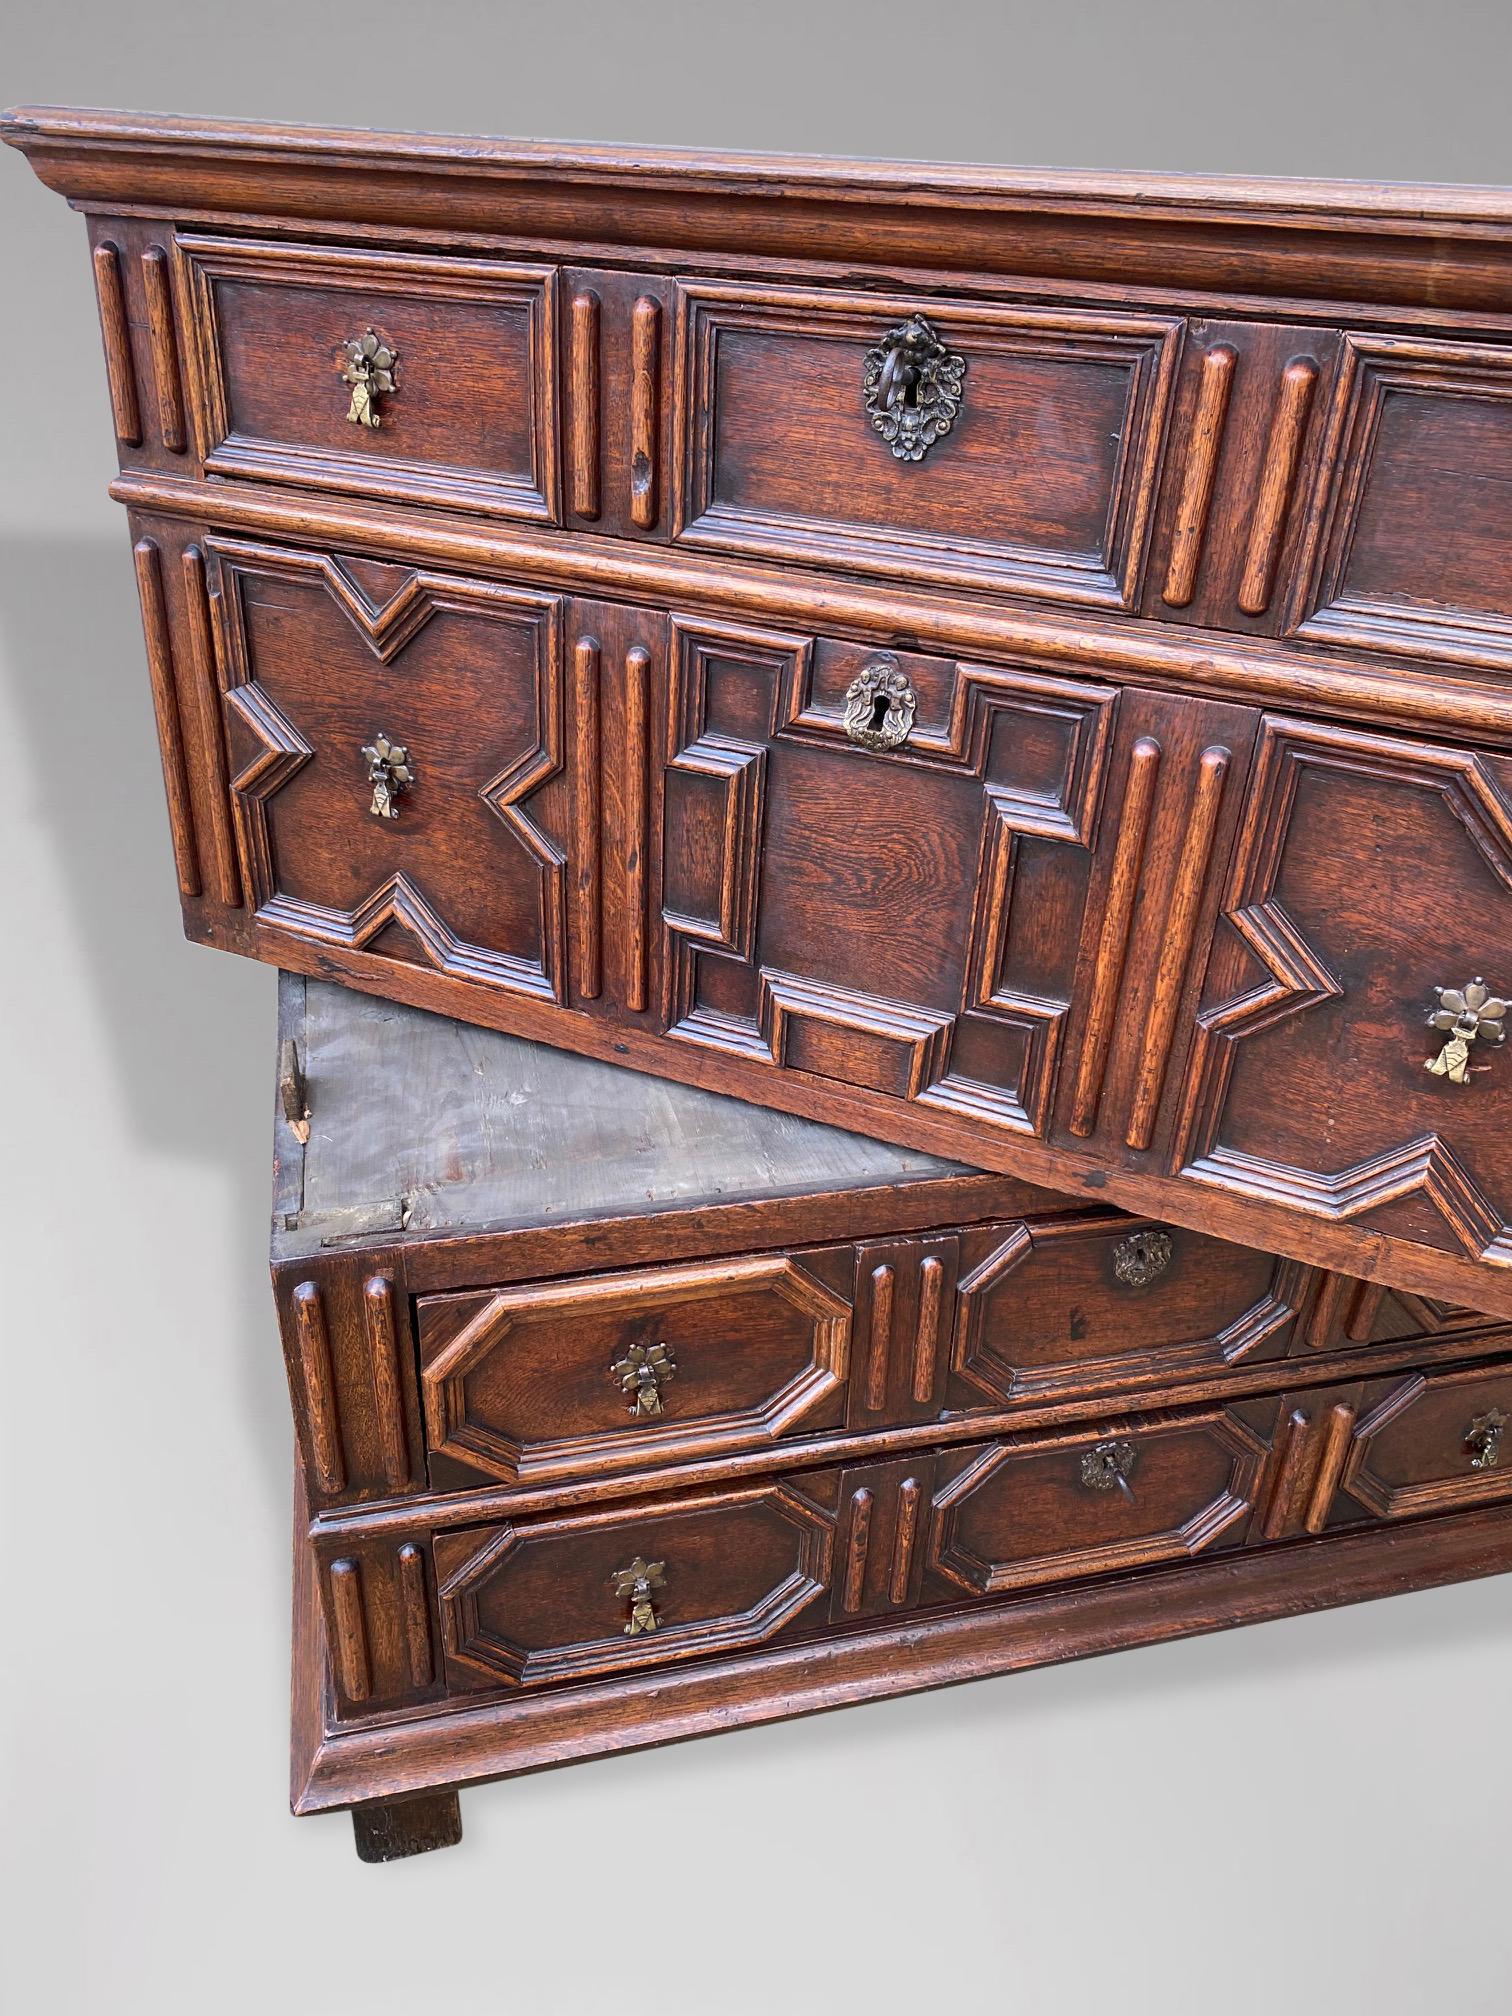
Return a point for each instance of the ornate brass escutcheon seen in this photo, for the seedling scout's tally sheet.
(1141, 1257)
(1107, 1465)
(1483, 1439)
(370, 367)
(635, 1584)
(642, 1373)
(390, 771)
(880, 704)
(1467, 1015)
(911, 388)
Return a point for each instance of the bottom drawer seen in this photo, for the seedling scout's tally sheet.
(1433, 1445)
(589, 1594)
(1394, 1448)
(558, 1599)
(593, 1593)
(1391, 1448)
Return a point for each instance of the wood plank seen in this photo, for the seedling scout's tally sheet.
(422, 1125)
(1366, 241)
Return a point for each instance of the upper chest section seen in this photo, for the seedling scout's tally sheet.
(1163, 410)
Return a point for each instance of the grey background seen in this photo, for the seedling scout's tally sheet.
(1308, 1815)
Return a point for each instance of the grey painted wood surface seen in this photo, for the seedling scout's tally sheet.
(421, 1126)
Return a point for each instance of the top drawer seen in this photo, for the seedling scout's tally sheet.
(990, 446)
(385, 374)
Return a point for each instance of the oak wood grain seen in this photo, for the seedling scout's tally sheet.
(1377, 241)
(583, 402)
(163, 337)
(1199, 472)
(319, 1387)
(120, 369)
(1283, 451)
(162, 672)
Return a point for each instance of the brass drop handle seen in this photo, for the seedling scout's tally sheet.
(911, 387)
(1466, 1015)
(389, 771)
(1483, 1439)
(642, 1372)
(634, 1585)
(880, 704)
(1107, 1465)
(369, 367)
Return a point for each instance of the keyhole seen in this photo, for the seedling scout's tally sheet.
(879, 710)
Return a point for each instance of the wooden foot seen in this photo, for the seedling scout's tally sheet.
(390, 1829)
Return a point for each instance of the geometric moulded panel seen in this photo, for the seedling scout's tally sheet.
(459, 867)
(1018, 1516)
(551, 1599)
(659, 1365)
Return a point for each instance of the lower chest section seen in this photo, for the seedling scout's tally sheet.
(442, 1606)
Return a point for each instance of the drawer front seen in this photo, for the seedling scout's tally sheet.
(1025, 872)
(1390, 1448)
(452, 403)
(564, 1599)
(1143, 928)
(1019, 1515)
(1053, 1311)
(556, 1599)
(1433, 1444)
(570, 1597)
(661, 1365)
(1372, 873)
(1004, 447)
(1412, 551)
(396, 760)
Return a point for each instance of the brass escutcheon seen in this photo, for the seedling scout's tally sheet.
(1142, 1257)
(390, 771)
(880, 704)
(1106, 1465)
(1483, 1439)
(911, 387)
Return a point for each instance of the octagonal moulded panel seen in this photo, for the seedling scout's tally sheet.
(1434, 1444)
(1099, 1305)
(553, 1599)
(1026, 1513)
(540, 1381)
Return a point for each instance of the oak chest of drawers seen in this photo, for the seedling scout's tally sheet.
(628, 1411)
(1016, 666)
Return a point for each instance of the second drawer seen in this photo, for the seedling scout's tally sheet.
(540, 1382)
